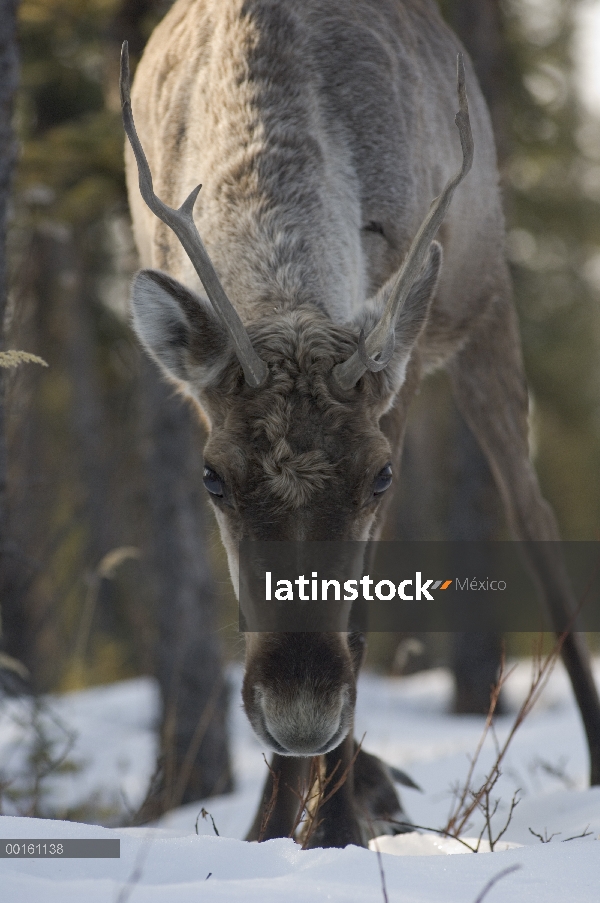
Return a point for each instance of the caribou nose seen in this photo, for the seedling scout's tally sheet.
(305, 723)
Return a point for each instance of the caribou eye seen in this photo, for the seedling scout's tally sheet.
(213, 482)
(383, 480)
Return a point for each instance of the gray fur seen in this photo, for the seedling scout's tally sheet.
(179, 329)
(302, 124)
(321, 132)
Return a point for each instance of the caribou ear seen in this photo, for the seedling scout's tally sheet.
(178, 328)
(414, 313)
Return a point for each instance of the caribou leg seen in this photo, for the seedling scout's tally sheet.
(490, 390)
(368, 806)
(337, 821)
(278, 808)
(365, 804)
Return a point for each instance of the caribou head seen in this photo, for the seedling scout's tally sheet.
(293, 402)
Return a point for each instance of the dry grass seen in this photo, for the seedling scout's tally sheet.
(12, 358)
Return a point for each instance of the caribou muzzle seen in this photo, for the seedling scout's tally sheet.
(299, 692)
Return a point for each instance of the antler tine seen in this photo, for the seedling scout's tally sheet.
(182, 223)
(349, 372)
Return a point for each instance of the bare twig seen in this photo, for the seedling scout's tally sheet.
(136, 872)
(305, 796)
(205, 814)
(544, 838)
(106, 570)
(271, 804)
(325, 792)
(151, 806)
(469, 800)
(489, 809)
(462, 810)
(556, 771)
(584, 833)
(381, 872)
(311, 800)
(495, 879)
(513, 805)
(169, 781)
(441, 831)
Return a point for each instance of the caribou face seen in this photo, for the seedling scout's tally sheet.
(293, 403)
(298, 458)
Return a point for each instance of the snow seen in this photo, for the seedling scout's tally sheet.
(175, 868)
(404, 720)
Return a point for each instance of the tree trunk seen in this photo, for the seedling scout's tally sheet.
(74, 292)
(474, 512)
(474, 516)
(195, 756)
(195, 759)
(12, 624)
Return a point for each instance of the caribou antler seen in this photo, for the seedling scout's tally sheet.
(182, 223)
(381, 338)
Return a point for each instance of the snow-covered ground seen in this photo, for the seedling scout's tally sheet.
(110, 734)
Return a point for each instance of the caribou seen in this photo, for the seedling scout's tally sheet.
(352, 242)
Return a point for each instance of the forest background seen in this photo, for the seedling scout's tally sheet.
(110, 564)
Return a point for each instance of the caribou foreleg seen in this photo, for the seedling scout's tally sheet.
(277, 814)
(490, 390)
